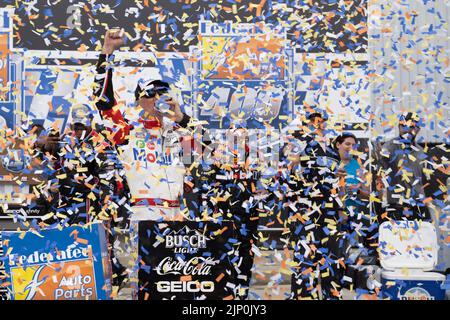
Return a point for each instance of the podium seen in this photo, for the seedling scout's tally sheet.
(185, 260)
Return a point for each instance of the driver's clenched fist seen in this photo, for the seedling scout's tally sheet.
(114, 39)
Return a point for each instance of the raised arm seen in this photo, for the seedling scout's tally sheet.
(104, 89)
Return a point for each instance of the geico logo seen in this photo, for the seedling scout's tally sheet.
(194, 241)
(185, 286)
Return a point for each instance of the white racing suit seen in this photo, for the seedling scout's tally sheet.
(150, 154)
(149, 151)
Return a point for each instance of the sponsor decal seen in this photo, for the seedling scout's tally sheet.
(185, 286)
(55, 281)
(183, 260)
(255, 88)
(187, 239)
(416, 293)
(194, 266)
(68, 264)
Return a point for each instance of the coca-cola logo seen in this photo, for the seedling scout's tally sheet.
(196, 266)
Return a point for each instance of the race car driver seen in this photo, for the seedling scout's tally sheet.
(150, 147)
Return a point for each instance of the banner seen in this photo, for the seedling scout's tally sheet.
(161, 25)
(243, 73)
(185, 260)
(68, 264)
(11, 73)
(4, 65)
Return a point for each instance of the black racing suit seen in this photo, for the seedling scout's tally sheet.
(313, 207)
(226, 192)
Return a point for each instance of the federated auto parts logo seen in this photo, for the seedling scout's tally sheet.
(66, 275)
(55, 281)
(32, 287)
(416, 293)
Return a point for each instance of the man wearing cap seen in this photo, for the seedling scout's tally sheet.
(402, 168)
(311, 184)
(150, 147)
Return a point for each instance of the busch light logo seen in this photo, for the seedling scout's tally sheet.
(15, 160)
(185, 240)
(416, 293)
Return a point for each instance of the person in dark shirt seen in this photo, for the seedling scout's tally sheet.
(315, 211)
(402, 167)
(86, 184)
(225, 188)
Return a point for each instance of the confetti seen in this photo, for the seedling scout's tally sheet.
(253, 73)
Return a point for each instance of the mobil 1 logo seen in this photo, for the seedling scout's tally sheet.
(184, 260)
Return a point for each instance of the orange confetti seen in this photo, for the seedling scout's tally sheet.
(220, 277)
(186, 278)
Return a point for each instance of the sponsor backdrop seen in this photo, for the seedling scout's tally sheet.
(68, 264)
(261, 63)
(249, 60)
(186, 260)
(172, 25)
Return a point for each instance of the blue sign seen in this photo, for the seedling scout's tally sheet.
(68, 264)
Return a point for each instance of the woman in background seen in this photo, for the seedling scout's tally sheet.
(355, 189)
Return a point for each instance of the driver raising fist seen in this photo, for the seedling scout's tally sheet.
(150, 147)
